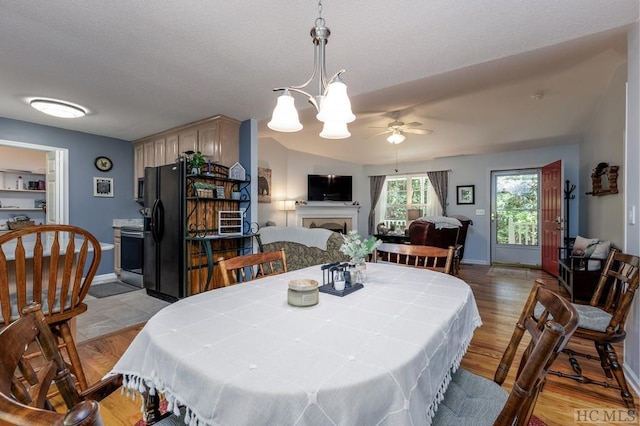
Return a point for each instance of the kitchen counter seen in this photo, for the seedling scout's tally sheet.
(128, 223)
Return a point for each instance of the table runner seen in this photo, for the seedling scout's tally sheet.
(241, 355)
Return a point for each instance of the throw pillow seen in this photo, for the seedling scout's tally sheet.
(584, 246)
(600, 251)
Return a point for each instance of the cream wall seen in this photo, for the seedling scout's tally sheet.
(22, 159)
(604, 217)
(272, 155)
(289, 170)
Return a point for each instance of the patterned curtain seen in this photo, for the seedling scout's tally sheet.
(440, 182)
(376, 183)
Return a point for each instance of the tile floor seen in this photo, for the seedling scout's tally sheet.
(113, 313)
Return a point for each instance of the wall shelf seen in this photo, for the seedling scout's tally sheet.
(604, 180)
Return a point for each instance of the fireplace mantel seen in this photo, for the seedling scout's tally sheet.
(321, 213)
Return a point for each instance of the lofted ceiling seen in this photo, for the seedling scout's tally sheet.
(466, 69)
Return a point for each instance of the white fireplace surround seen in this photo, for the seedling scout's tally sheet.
(320, 214)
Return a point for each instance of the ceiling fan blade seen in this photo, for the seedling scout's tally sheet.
(418, 131)
(378, 127)
(414, 124)
(382, 133)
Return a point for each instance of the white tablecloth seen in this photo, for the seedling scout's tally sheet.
(241, 355)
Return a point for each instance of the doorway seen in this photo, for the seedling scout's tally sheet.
(56, 179)
(515, 217)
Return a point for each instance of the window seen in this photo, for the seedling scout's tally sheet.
(403, 193)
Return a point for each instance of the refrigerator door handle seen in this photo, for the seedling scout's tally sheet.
(159, 220)
(153, 223)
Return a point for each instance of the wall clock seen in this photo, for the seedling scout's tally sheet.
(104, 164)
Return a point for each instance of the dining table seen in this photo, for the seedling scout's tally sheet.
(241, 355)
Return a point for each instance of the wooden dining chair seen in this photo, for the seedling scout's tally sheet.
(36, 267)
(252, 266)
(603, 324)
(24, 384)
(471, 399)
(434, 258)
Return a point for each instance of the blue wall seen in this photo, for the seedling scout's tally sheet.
(86, 211)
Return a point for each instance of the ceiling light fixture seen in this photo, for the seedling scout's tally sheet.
(396, 137)
(332, 102)
(58, 108)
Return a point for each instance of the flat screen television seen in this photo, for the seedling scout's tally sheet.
(329, 188)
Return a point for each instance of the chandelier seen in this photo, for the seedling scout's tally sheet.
(396, 137)
(331, 102)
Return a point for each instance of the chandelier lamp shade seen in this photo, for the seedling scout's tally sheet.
(332, 102)
(396, 137)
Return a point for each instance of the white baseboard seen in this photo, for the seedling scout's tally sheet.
(474, 262)
(104, 278)
(632, 378)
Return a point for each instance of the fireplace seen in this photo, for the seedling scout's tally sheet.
(338, 218)
(336, 224)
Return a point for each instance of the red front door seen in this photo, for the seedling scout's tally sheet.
(551, 209)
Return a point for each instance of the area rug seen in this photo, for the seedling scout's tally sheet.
(515, 273)
(110, 289)
(533, 421)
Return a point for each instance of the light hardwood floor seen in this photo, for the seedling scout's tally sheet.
(500, 300)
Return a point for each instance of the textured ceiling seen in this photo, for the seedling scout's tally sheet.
(464, 68)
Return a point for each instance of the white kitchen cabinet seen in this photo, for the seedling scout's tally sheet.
(218, 138)
(138, 165)
(188, 140)
(159, 152)
(148, 154)
(171, 149)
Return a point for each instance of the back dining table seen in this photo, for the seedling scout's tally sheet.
(240, 355)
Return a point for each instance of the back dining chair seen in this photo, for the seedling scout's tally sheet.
(24, 384)
(475, 400)
(603, 324)
(52, 265)
(251, 266)
(429, 257)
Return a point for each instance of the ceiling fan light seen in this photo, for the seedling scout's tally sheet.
(396, 138)
(285, 116)
(336, 105)
(335, 130)
(56, 108)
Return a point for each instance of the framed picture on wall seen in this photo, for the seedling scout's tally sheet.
(466, 194)
(264, 185)
(102, 187)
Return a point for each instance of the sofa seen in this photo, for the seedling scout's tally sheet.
(303, 246)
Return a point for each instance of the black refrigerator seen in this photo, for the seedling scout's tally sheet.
(164, 207)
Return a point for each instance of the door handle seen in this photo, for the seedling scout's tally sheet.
(153, 223)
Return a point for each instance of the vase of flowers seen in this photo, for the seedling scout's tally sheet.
(358, 250)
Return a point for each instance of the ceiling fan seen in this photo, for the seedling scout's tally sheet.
(398, 128)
